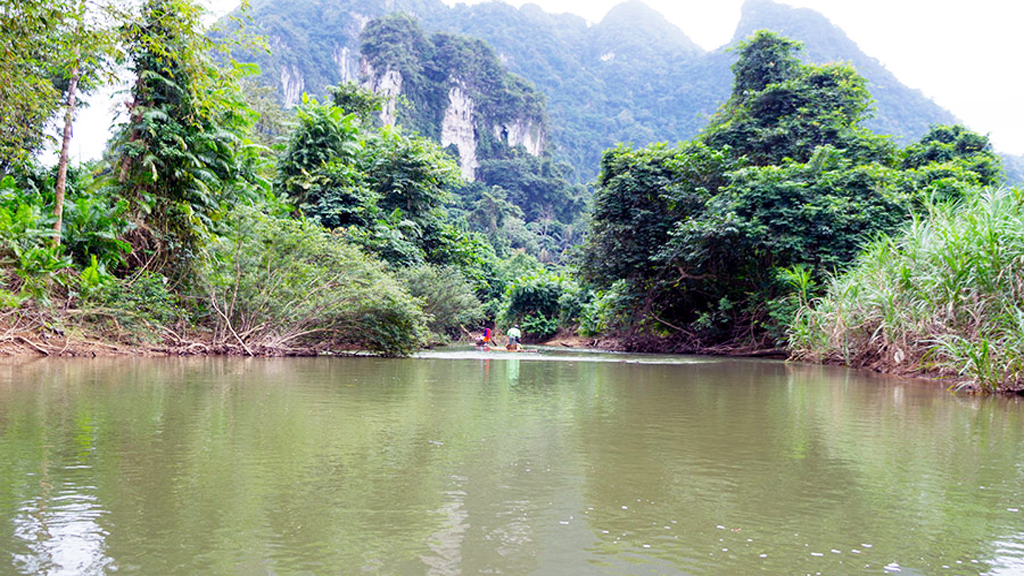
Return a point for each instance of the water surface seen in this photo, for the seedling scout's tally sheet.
(464, 463)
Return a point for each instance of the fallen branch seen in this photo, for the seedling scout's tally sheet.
(33, 345)
(227, 322)
(676, 328)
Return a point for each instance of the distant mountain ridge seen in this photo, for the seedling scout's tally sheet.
(634, 77)
(902, 112)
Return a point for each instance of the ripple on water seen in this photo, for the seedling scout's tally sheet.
(62, 535)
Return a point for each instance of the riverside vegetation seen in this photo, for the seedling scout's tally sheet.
(217, 223)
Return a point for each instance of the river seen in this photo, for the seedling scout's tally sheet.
(458, 462)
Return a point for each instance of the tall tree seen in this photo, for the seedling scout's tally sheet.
(179, 154)
(781, 108)
(88, 51)
(52, 52)
(28, 97)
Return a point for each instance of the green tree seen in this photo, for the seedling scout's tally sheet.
(388, 189)
(535, 303)
(640, 195)
(410, 173)
(708, 237)
(91, 49)
(765, 58)
(181, 156)
(956, 146)
(781, 108)
(355, 99)
(28, 97)
(448, 298)
(325, 135)
(490, 213)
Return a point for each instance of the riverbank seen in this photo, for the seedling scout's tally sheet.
(877, 365)
(39, 341)
(944, 297)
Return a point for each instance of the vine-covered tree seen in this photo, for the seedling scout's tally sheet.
(781, 108)
(180, 155)
(712, 237)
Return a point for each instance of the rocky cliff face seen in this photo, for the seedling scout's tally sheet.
(459, 124)
(457, 128)
(522, 132)
(292, 84)
(348, 63)
(388, 84)
(454, 89)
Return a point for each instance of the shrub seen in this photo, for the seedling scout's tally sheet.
(447, 298)
(539, 327)
(26, 243)
(273, 283)
(92, 228)
(136, 308)
(534, 302)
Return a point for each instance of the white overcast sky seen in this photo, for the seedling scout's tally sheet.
(965, 55)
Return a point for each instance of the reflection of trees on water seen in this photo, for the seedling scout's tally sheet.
(56, 514)
(222, 465)
(414, 466)
(784, 459)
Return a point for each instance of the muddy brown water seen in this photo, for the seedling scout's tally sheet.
(458, 462)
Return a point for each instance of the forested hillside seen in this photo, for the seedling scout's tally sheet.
(454, 90)
(217, 223)
(715, 243)
(634, 77)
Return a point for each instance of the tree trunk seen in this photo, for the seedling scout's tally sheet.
(62, 165)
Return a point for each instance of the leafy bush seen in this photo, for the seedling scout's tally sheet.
(136, 308)
(276, 282)
(448, 299)
(94, 226)
(571, 302)
(26, 243)
(606, 311)
(539, 327)
(534, 302)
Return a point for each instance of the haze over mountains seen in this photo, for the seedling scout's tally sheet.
(634, 77)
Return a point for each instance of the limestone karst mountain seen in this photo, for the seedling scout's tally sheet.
(633, 77)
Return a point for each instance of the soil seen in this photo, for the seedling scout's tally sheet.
(27, 342)
(570, 340)
(36, 340)
(20, 341)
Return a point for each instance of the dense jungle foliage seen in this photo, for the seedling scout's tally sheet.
(194, 234)
(217, 223)
(631, 78)
(715, 242)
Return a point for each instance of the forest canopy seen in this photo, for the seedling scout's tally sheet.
(718, 238)
(219, 223)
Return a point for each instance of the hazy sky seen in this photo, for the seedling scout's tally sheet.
(964, 54)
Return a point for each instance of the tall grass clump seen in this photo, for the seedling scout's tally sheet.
(945, 297)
